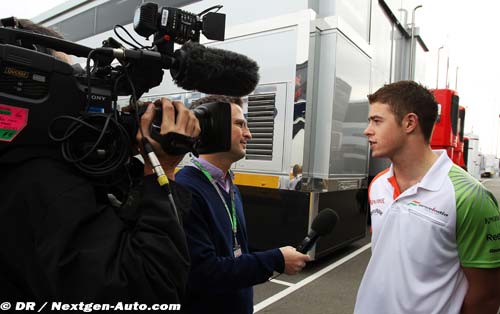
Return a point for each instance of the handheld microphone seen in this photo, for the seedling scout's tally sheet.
(321, 226)
(214, 71)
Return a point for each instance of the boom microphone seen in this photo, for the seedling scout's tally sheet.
(214, 71)
(321, 226)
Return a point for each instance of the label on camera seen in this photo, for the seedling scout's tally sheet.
(12, 121)
(164, 17)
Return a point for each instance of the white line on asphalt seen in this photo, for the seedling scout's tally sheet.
(307, 280)
(281, 282)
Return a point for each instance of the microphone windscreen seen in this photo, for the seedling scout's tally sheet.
(214, 71)
(325, 221)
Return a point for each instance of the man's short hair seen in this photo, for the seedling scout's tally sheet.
(39, 29)
(217, 98)
(405, 97)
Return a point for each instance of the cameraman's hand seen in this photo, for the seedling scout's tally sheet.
(186, 124)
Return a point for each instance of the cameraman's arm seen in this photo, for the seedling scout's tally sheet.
(87, 253)
(184, 123)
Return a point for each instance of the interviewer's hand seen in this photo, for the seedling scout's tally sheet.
(294, 260)
(186, 124)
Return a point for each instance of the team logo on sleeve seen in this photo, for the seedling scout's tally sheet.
(375, 210)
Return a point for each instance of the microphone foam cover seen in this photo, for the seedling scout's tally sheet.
(325, 221)
(215, 71)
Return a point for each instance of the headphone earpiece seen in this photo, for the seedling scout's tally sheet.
(9, 22)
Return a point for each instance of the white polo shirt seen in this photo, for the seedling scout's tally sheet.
(423, 236)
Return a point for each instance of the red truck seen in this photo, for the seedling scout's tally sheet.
(449, 129)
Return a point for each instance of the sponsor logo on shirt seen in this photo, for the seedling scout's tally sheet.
(433, 210)
(376, 211)
(377, 201)
(492, 237)
(491, 219)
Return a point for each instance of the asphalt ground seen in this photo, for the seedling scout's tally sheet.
(326, 286)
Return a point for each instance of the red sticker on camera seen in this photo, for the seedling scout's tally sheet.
(12, 121)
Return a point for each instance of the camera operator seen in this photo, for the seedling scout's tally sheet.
(63, 240)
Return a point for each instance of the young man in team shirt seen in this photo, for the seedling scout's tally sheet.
(435, 242)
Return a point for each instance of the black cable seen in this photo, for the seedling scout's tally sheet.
(149, 149)
(134, 100)
(89, 57)
(115, 92)
(218, 7)
(99, 131)
(129, 35)
(95, 143)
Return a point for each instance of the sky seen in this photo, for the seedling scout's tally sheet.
(469, 35)
(26, 8)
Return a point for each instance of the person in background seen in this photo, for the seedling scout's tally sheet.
(223, 270)
(436, 230)
(296, 182)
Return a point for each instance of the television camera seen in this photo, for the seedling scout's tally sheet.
(46, 102)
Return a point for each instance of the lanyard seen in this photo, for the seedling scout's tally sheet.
(232, 214)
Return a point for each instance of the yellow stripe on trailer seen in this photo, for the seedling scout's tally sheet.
(257, 180)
